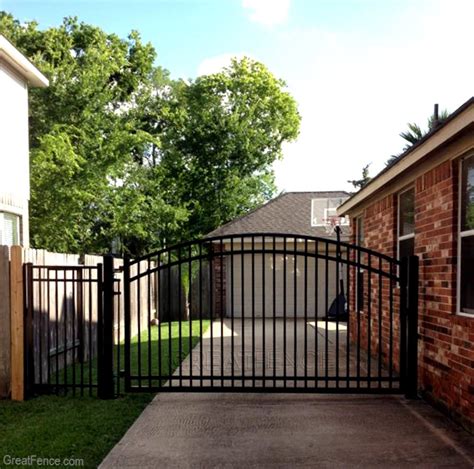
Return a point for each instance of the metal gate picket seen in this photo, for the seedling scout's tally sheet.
(270, 312)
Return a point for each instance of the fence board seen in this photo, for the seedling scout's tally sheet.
(17, 326)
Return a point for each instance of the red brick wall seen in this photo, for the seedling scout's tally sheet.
(446, 345)
(379, 229)
(447, 339)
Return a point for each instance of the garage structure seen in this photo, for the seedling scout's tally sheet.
(306, 213)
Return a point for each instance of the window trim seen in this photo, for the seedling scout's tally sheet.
(410, 235)
(459, 235)
(357, 221)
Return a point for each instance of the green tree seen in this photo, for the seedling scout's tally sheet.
(412, 135)
(135, 216)
(226, 131)
(415, 133)
(86, 129)
(364, 180)
(123, 156)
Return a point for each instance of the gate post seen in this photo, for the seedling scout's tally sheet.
(412, 332)
(106, 333)
(403, 322)
(127, 319)
(28, 325)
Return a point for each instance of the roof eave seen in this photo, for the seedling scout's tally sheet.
(459, 120)
(13, 57)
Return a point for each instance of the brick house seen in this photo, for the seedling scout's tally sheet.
(423, 205)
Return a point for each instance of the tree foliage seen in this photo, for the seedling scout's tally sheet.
(364, 180)
(122, 156)
(415, 133)
(227, 130)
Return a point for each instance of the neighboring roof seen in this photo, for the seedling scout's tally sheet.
(458, 121)
(289, 213)
(21, 64)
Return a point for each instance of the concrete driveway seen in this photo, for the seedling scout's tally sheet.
(246, 430)
(276, 348)
(287, 431)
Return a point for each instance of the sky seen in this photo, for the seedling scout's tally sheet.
(360, 70)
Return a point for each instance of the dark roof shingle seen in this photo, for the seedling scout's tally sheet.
(289, 213)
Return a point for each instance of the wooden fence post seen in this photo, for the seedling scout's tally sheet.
(17, 324)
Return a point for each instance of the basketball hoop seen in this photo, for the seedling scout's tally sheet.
(331, 222)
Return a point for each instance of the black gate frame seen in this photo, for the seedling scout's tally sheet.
(41, 323)
(403, 272)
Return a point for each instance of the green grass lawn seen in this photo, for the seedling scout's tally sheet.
(151, 363)
(86, 427)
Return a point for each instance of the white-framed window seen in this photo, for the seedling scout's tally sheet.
(406, 223)
(9, 229)
(465, 283)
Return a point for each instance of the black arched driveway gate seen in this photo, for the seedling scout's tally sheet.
(272, 313)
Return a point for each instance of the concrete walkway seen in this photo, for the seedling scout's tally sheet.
(277, 348)
(289, 431)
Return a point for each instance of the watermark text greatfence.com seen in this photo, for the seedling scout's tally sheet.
(33, 460)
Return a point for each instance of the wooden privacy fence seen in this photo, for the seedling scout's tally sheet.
(12, 311)
(49, 314)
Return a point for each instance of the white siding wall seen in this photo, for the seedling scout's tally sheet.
(14, 147)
